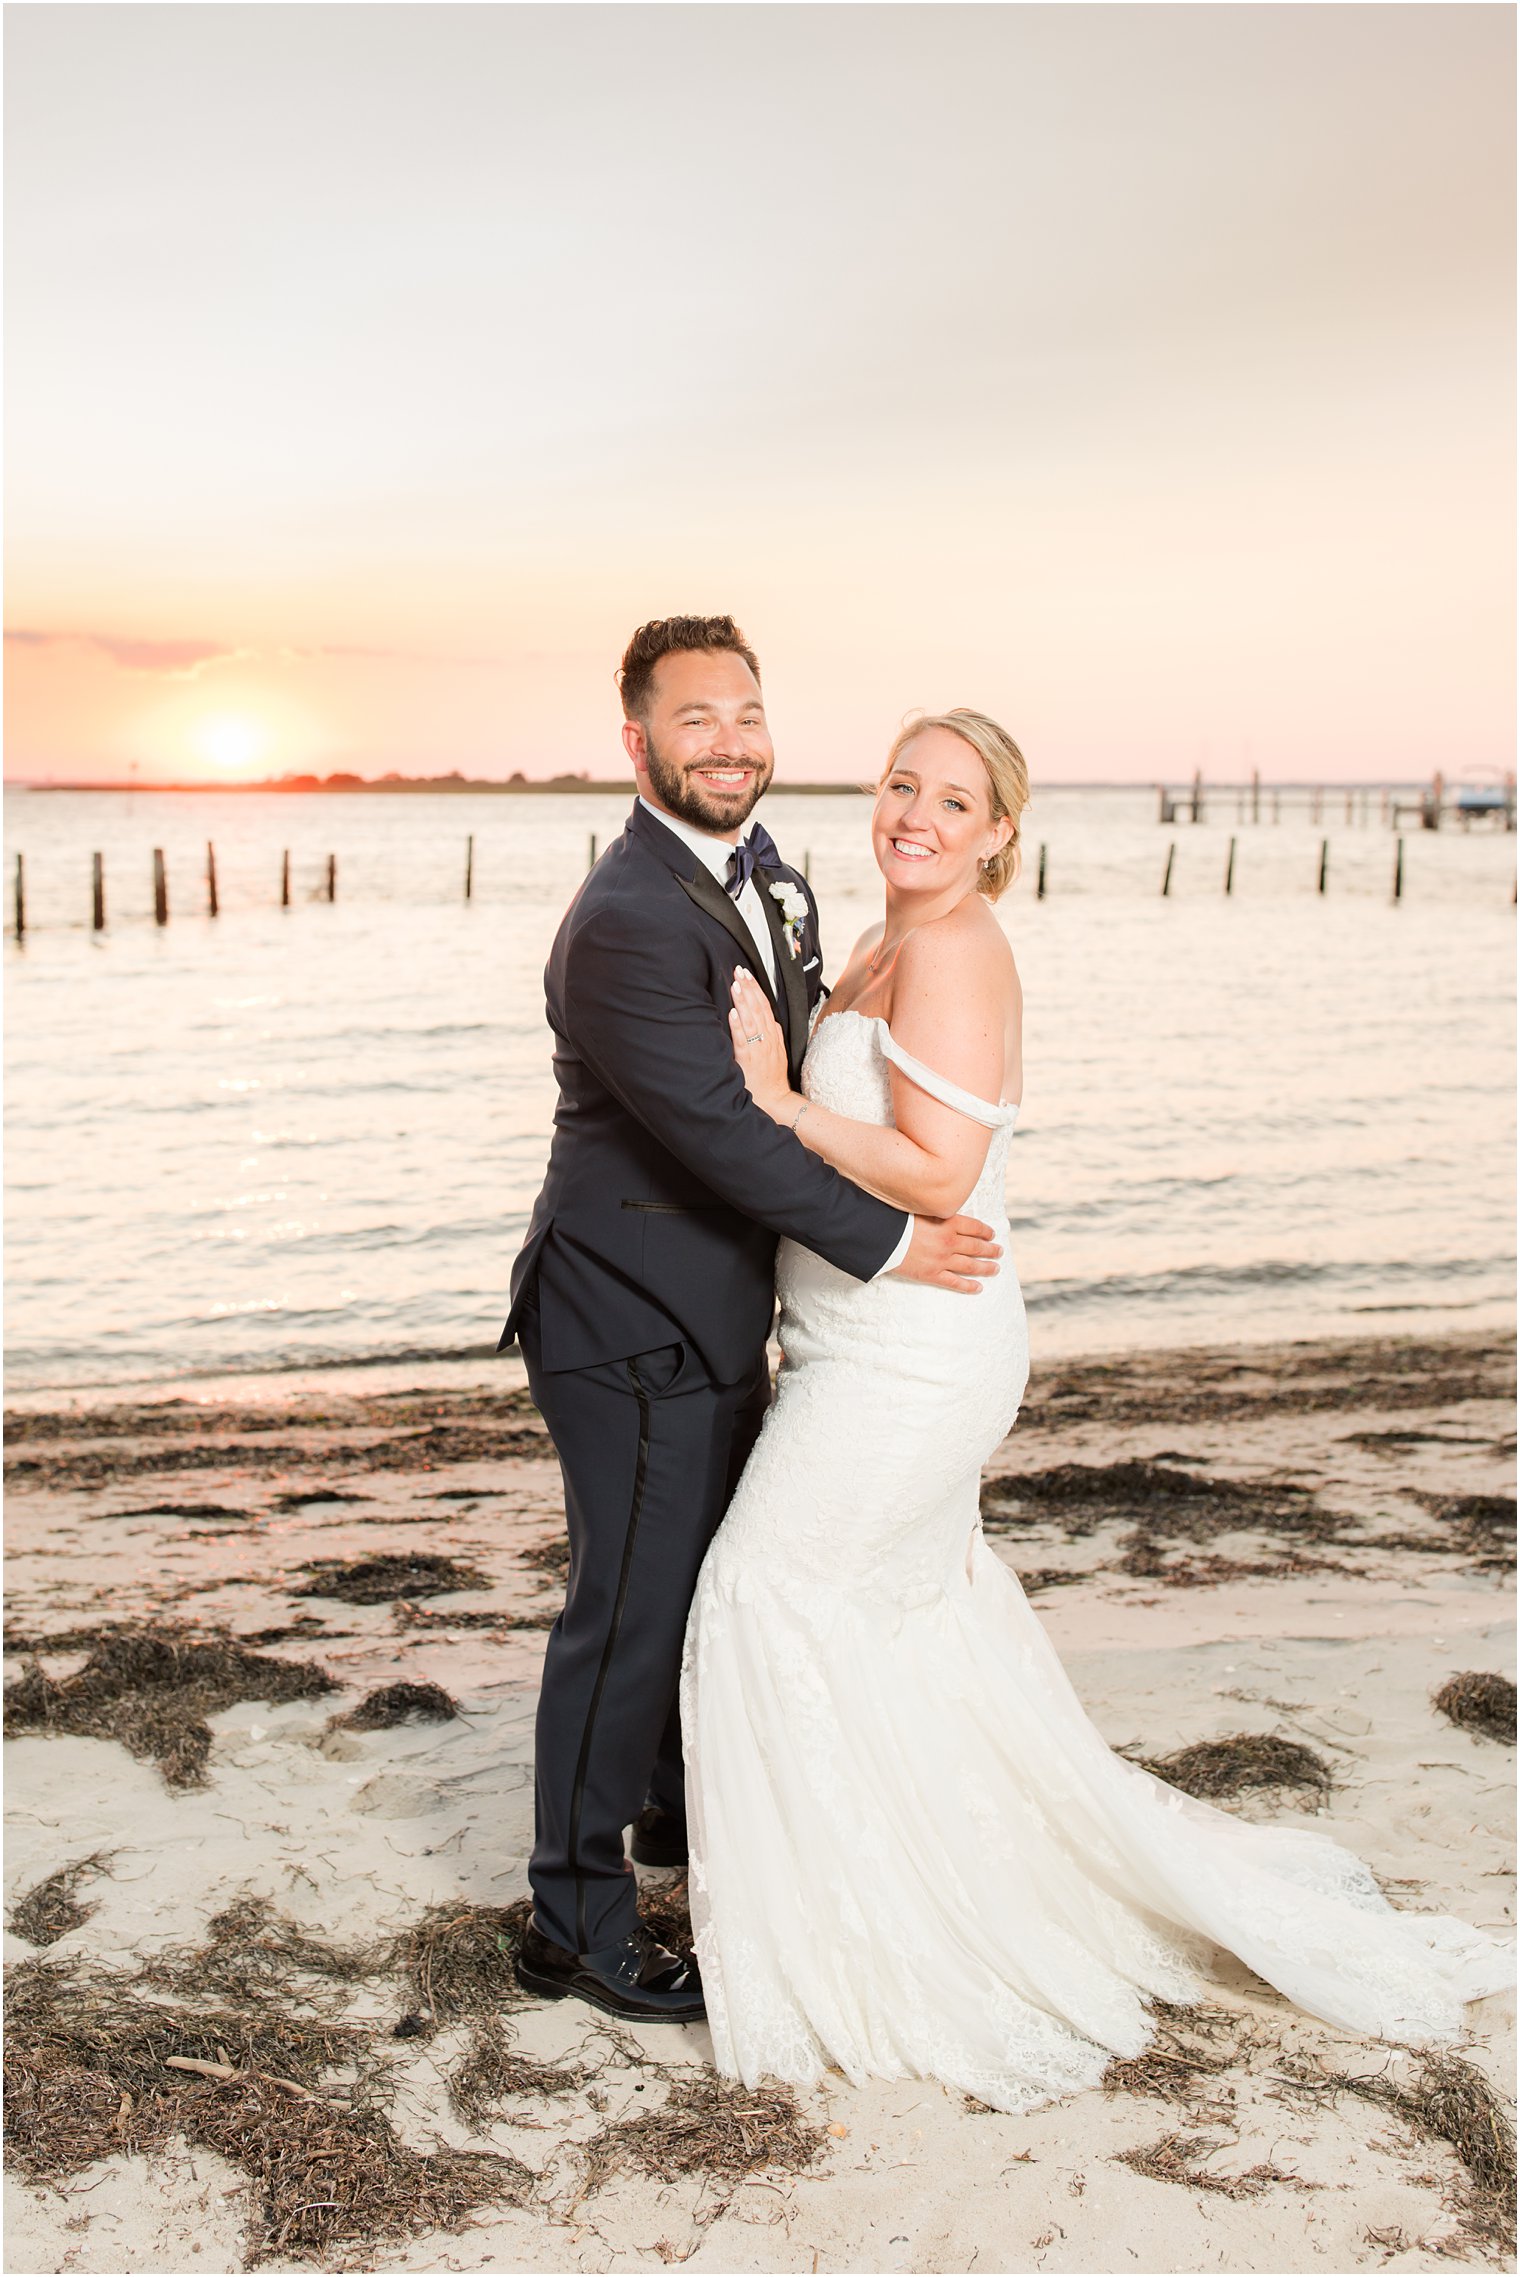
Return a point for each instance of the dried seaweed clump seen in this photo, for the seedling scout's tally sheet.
(1217, 1769)
(1161, 1498)
(253, 1954)
(1479, 1702)
(50, 1909)
(409, 1616)
(298, 1498)
(381, 1580)
(1179, 2065)
(1448, 2101)
(665, 1908)
(32, 1642)
(460, 1960)
(397, 1704)
(708, 2127)
(93, 2070)
(1483, 1525)
(551, 1557)
(152, 1688)
(182, 1510)
(1176, 2158)
(1162, 1506)
(492, 2072)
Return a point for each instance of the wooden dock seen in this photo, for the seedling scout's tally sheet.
(1395, 806)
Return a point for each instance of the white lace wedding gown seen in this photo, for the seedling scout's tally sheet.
(911, 1852)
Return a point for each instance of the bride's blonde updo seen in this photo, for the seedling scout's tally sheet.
(1007, 781)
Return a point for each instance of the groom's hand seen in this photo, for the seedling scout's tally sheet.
(950, 1253)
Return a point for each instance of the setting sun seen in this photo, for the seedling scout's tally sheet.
(230, 742)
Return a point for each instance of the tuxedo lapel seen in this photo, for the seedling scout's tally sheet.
(790, 995)
(706, 892)
(793, 986)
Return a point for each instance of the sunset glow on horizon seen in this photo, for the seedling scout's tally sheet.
(1142, 375)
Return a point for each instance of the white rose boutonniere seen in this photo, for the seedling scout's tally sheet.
(794, 911)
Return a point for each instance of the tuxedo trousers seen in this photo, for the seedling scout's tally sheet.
(651, 1450)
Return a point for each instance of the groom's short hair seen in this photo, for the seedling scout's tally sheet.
(674, 636)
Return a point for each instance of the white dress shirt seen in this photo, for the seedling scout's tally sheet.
(715, 854)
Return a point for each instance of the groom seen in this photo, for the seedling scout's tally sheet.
(642, 1296)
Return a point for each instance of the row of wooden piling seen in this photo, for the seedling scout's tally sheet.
(213, 903)
(1229, 869)
(161, 888)
(330, 891)
(1042, 873)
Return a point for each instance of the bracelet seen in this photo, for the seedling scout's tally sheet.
(801, 1111)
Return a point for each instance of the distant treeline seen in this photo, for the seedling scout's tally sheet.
(454, 782)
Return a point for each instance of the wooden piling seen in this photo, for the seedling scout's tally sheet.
(1435, 799)
(1198, 795)
(1229, 869)
(332, 877)
(1166, 882)
(211, 900)
(1316, 803)
(285, 879)
(807, 865)
(20, 900)
(1039, 891)
(591, 853)
(1398, 870)
(97, 893)
(469, 866)
(1324, 862)
(1256, 794)
(160, 889)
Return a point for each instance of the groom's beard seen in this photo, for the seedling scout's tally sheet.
(696, 802)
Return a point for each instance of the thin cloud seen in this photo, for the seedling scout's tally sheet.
(180, 659)
(184, 659)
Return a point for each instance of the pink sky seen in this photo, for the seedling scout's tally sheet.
(1143, 375)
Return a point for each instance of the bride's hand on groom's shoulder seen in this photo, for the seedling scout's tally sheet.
(760, 1048)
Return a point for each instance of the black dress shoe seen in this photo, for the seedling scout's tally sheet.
(659, 1838)
(637, 1980)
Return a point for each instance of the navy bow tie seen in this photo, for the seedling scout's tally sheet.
(757, 851)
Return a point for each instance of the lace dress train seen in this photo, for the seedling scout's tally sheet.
(912, 1854)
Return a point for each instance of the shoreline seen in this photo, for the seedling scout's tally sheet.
(1228, 1545)
(489, 1370)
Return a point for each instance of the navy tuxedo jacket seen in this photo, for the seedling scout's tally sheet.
(667, 1187)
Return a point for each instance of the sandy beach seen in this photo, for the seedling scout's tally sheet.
(271, 2019)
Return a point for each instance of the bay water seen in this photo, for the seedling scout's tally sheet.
(289, 1139)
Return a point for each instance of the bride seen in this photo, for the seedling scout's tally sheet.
(911, 1852)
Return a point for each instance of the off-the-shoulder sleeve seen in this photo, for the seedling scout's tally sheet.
(940, 1087)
